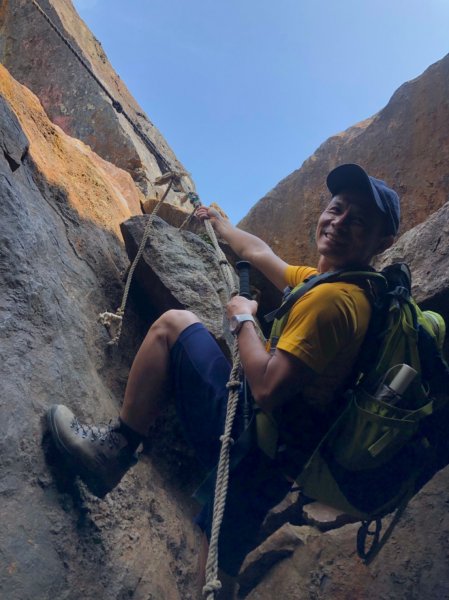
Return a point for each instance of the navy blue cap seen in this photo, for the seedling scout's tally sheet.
(353, 177)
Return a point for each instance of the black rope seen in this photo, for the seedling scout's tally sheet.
(116, 105)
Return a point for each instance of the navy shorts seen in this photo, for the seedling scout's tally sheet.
(199, 373)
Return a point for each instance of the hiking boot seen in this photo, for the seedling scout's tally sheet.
(99, 454)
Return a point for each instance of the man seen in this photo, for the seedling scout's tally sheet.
(297, 383)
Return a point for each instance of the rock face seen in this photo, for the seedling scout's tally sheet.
(61, 263)
(406, 144)
(426, 250)
(411, 566)
(180, 270)
(37, 57)
(279, 545)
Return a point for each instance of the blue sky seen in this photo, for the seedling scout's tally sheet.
(245, 90)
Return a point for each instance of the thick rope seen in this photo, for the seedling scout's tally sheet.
(225, 267)
(213, 584)
(224, 264)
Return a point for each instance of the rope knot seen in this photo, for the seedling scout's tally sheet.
(109, 318)
(226, 439)
(113, 323)
(211, 587)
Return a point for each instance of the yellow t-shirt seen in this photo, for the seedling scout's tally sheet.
(325, 329)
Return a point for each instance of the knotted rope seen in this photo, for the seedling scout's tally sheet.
(225, 267)
(213, 584)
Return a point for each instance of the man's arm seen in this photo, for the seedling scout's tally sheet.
(247, 246)
(273, 378)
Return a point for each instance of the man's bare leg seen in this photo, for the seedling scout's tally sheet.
(147, 383)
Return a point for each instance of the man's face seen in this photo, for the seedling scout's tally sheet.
(350, 231)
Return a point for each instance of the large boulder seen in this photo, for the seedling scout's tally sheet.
(405, 144)
(178, 269)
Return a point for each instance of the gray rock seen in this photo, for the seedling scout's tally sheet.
(325, 517)
(411, 566)
(179, 270)
(425, 248)
(281, 544)
(289, 510)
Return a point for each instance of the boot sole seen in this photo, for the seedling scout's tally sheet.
(75, 465)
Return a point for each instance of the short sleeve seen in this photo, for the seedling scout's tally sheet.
(295, 275)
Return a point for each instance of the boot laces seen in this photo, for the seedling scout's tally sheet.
(104, 433)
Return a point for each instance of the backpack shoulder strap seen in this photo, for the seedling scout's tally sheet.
(331, 277)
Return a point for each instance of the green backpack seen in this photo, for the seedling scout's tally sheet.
(380, 450)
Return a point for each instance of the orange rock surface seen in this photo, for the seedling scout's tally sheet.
(98, 190)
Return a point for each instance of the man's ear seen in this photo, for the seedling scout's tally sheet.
(384, 243)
